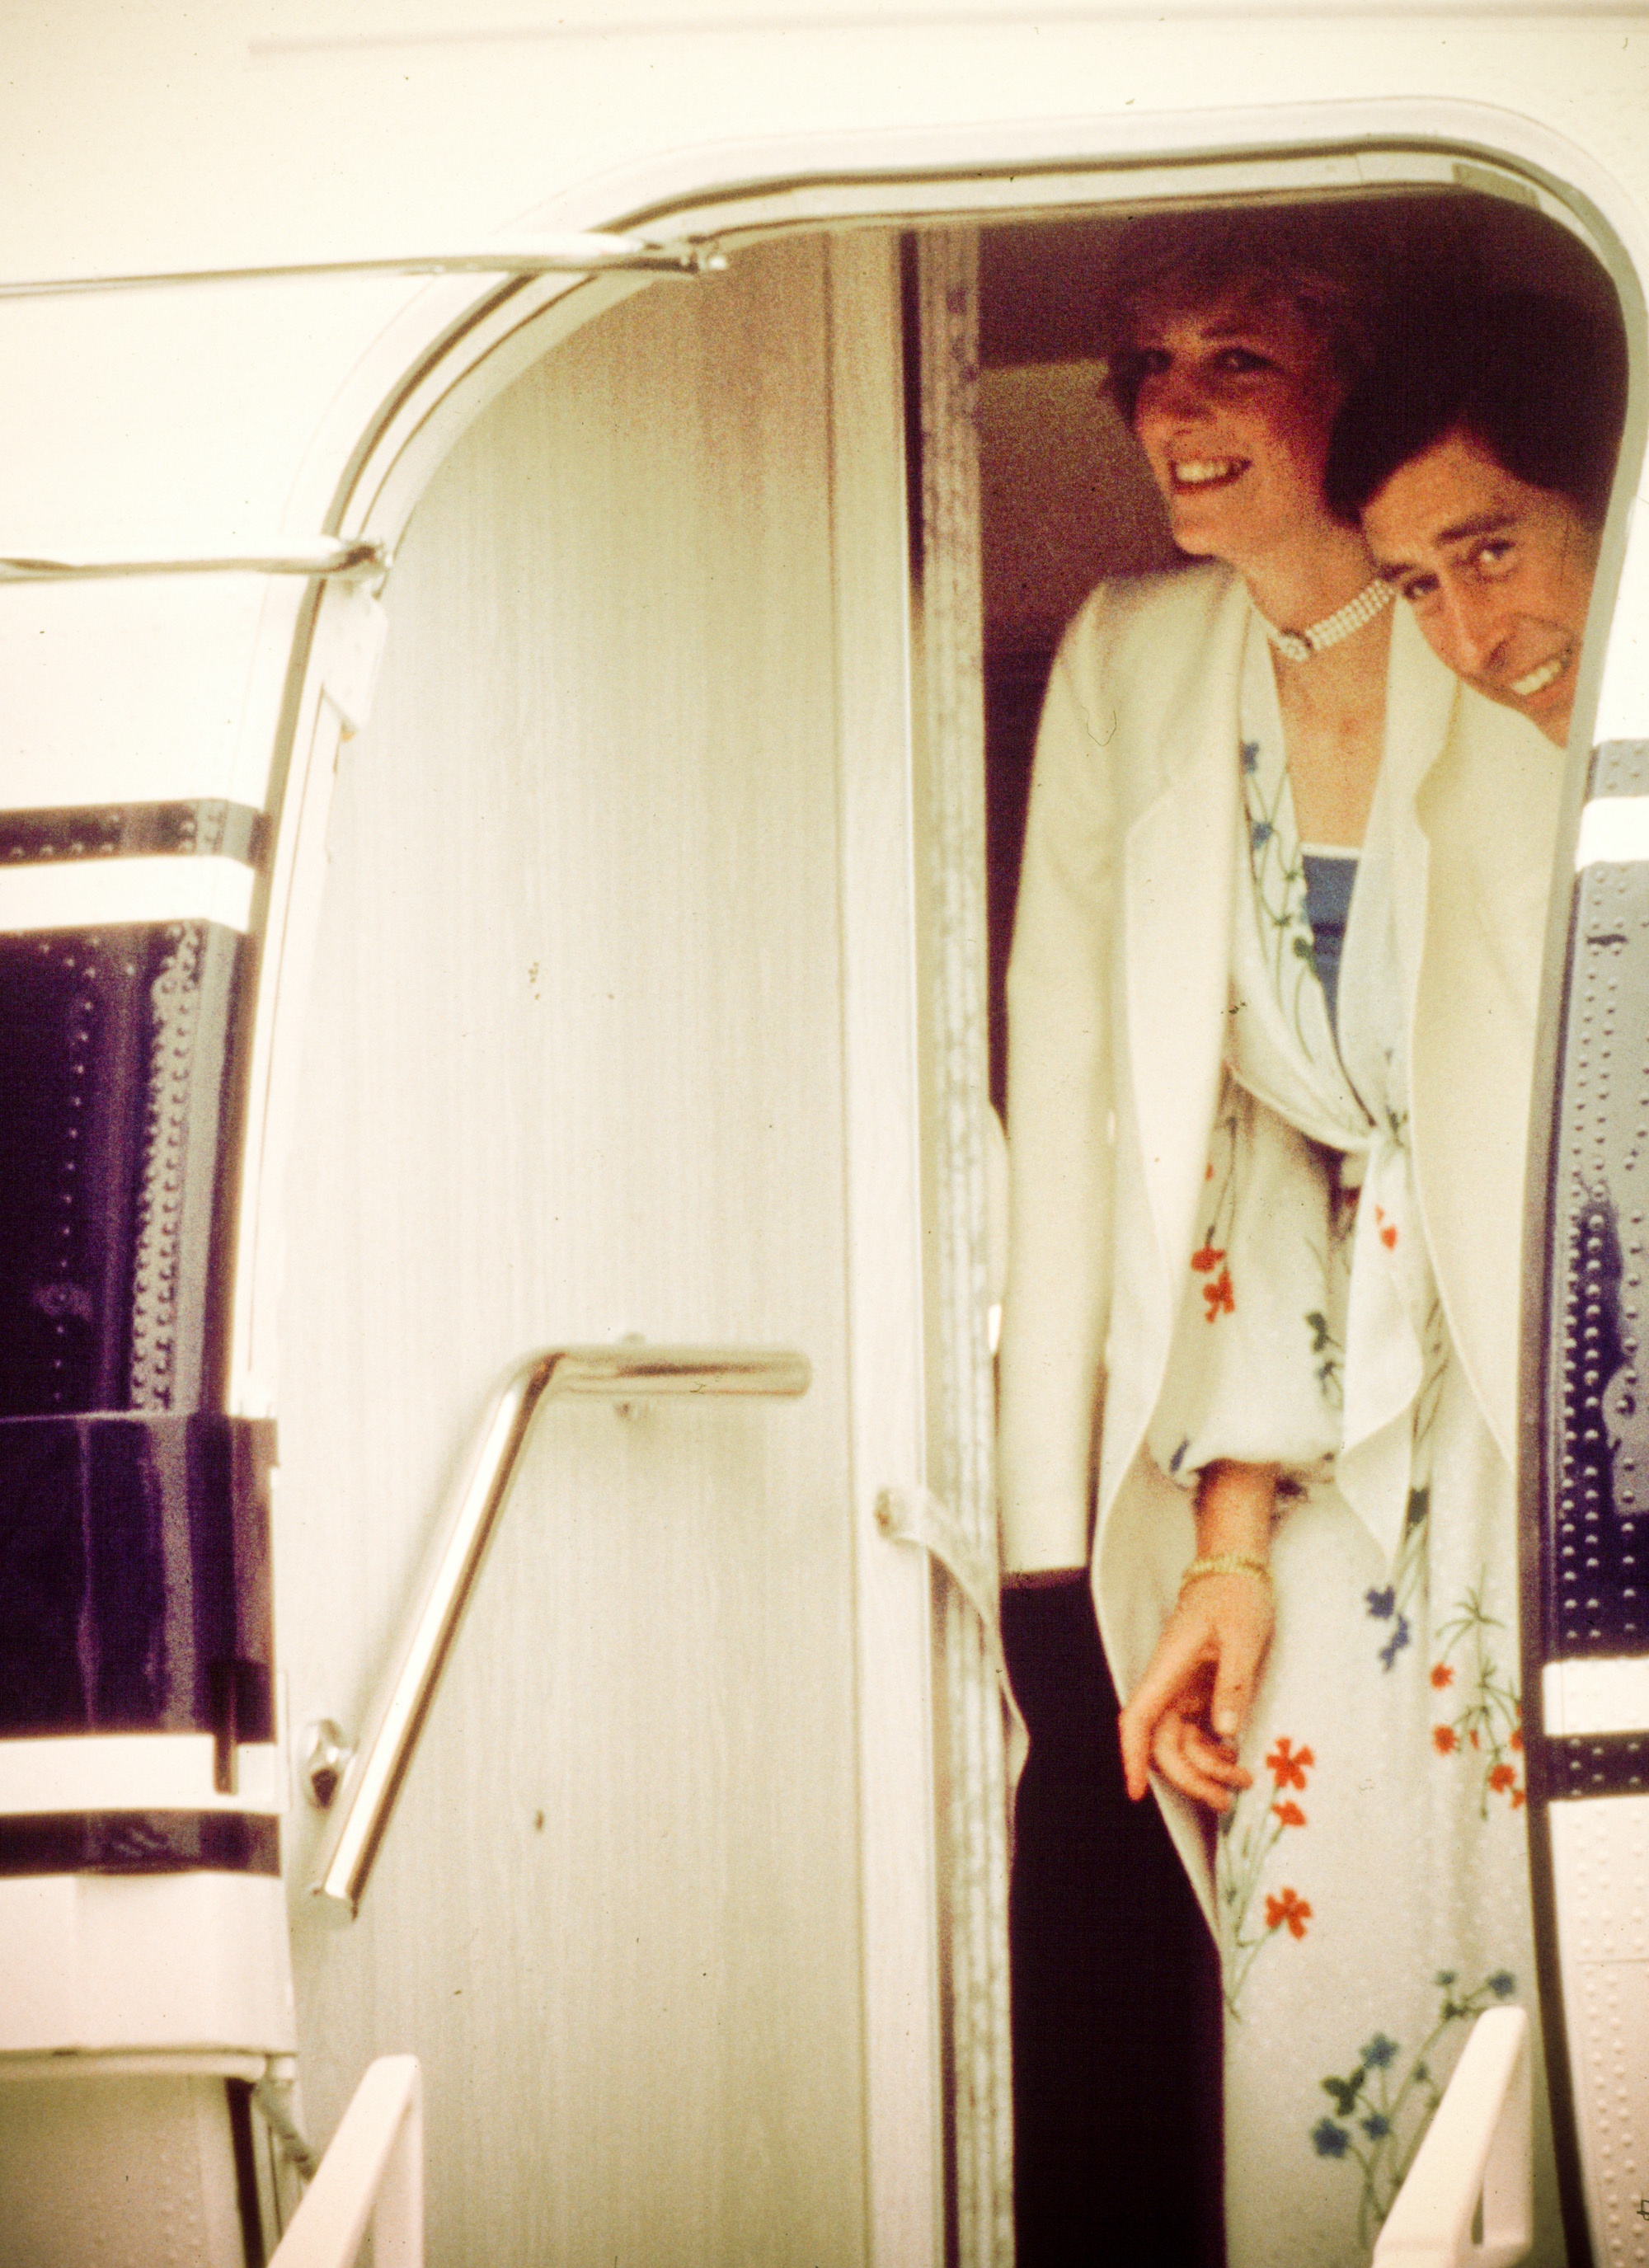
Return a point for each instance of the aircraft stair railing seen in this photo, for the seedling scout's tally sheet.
(361, 1786)
(1476, 2165)
(372, 2177)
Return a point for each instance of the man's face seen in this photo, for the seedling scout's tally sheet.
(1498, 573)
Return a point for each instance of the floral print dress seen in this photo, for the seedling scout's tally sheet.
(1371, 1887)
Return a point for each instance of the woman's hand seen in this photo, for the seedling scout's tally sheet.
(1197, 1691)
(1197, 1694)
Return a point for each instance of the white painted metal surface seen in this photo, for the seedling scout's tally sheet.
(1600, 1694)
(1601, 1863)
(136, 1771)
(1614, 830)
(1469, 2199)
(614, 1030)
(115, 891)
(113, 1964)
(114, 2165)
(372, 2177)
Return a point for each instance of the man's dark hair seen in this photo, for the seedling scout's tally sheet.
(1533, 378)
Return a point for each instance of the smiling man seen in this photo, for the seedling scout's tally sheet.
(1478, 454)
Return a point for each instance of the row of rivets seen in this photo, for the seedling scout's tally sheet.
(175, 997)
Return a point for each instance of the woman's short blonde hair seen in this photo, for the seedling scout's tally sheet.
(1340, 268)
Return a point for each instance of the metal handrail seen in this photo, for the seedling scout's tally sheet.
(372, 2177)
(1476, 2161)
(628, 1371)
(570, 254)
(320, 558)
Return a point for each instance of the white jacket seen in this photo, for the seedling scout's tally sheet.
(1117, 991)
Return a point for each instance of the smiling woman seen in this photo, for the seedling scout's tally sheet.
(1232, 343)
(1256, 1200)
(1231, 404)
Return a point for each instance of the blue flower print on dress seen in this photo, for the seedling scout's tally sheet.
(1396, 1642)
(1381, 2114)
(1279, 884)
(1382, 1607)
(1327, 1355)
(1330, 2141)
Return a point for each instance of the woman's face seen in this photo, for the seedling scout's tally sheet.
(1236, 398)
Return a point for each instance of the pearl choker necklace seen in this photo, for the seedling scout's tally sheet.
(1300, 645)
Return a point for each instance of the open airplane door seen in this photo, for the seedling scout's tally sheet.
(1587, 1583)
(1585, 1480)
(638, 956)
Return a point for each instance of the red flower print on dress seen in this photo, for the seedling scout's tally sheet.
(1287, 1764)
(1484, 1730)
(1289, 1909)
(1251, 1917)
(1387, 1229)
(1211, 1254)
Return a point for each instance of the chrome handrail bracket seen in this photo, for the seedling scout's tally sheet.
(629, 1372)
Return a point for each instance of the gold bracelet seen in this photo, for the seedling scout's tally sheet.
(1226, 1563)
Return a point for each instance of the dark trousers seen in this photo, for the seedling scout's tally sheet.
(1116, 1981)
